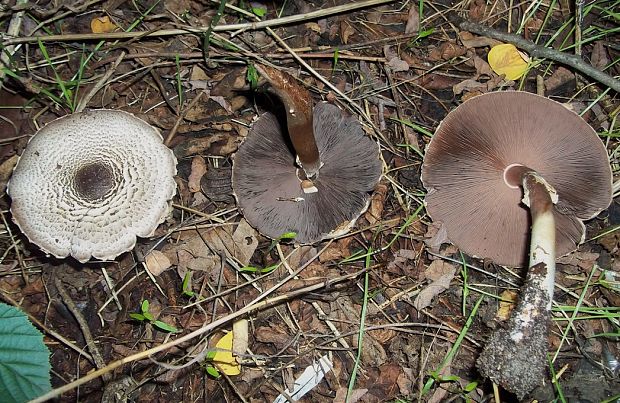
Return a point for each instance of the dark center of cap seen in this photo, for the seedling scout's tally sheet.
(94, 181)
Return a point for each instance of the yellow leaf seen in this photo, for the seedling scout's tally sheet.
(223, 358)
(505, 308)
(102, 25)
(506, 59)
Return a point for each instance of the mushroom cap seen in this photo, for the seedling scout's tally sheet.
(87, 184)
(464, 165)
(268, 188)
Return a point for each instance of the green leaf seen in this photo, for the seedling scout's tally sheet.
(187, 285)
(287, 235)
(249, 269)
(336, 58)
(470, 386)
(211, 370)
(24, 358)
(252, 269)
(252, 76)
(165, 327)
(210, 355)
(145, 306)
(259, 11)
(148, 316)
(425, 33)
(284, 237)
(137, 316)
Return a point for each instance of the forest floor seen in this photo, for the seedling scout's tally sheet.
(386, 312)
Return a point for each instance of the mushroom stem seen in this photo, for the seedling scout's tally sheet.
(298, 105)
(540, 197)
(515, 356)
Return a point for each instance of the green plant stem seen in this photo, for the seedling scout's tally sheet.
(360, 335)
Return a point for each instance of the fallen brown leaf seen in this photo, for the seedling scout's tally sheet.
(6, 169)
(446, 51)
(157, 262)
(600, 58)
(375, 210)
(413, 19)
(506, 306)
(441, 274)
(346, 30)
(356, 395)
(199, 168)
(560, 77)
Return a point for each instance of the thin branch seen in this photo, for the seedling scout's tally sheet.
(88, 337)
(220, 28)
(198, 332)
(84, 101)
(543, 52)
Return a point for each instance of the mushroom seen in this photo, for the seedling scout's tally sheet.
(490, 159)
(314, 177)
(87, 184)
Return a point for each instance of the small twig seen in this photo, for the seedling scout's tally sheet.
(86, 99)
(318, 308)
(180, 118)
(198, 332)
(88, 337)
(190, 30)
(18, 254)
(72, 345)
(14, 28)
(543, 52)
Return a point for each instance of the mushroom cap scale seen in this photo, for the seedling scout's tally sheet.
(267, 183)
(87, 184)
(465, 162)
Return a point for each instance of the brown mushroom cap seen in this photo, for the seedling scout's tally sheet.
(87, 184)
(465, 162)
(268, 187)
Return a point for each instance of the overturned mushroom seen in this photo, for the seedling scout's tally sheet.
(490, 159)
(314, 176)
(87, 184)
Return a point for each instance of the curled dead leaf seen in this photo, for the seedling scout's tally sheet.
(375, 210)
(199, 168)
(157, 262)
(506, 305)
(413, 19)
(441, 274)
(102, 25)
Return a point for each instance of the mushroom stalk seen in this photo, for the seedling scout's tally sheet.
(298, 105)
(515, 356)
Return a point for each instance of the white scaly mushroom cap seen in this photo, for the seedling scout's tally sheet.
(87, 184)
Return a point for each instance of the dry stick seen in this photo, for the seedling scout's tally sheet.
(269, 56)
(543, 52)
(181, 117)
(52, 333)
(198, 332)
(318, 308)
(220, 28)
(14, 27)
(88, 337)
(86, 99)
